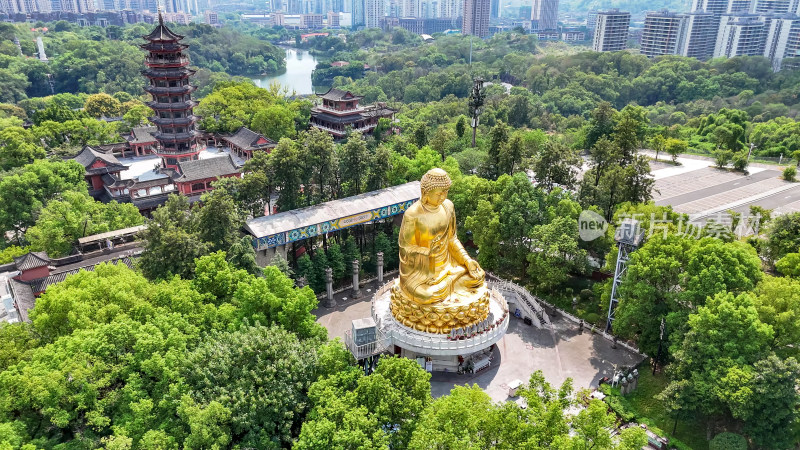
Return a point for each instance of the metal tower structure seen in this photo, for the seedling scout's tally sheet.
(476, 99)
(629, 237)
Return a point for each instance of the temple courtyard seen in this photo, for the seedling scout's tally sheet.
(560, 351)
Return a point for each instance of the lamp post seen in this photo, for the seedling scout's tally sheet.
(660, 341)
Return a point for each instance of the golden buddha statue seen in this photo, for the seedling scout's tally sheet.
(440, 287)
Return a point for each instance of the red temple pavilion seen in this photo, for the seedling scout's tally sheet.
(168, 72)
(340, 111)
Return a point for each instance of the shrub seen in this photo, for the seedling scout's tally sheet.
(728, 441)
(592, 317)
(586, 294)
(740, 161)
(619, 409)
(789, 173)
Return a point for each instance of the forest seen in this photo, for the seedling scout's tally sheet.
(162, 356)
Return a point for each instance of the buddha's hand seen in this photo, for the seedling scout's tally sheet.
(474, 268)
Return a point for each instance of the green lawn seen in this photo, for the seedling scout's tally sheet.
(642, 402)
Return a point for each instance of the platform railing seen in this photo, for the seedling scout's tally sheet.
(529, 304)
(414, 338)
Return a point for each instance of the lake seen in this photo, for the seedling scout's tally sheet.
(299, 65)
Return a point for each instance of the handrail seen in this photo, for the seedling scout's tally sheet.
(527, 302)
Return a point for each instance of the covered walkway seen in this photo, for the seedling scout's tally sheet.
(277, 230)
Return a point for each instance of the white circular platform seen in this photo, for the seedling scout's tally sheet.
(432, 344)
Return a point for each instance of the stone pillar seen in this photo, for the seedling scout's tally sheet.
(330, 302)
(356, 288)
(380, 267)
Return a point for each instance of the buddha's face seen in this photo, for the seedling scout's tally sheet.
(435, 197)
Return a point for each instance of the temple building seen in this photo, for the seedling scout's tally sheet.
(102, 171)
(245, 142)
(166, 158)
(196, 176)
(340, 112)
(168, 73)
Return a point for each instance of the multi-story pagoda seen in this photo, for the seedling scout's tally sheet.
(168, 73)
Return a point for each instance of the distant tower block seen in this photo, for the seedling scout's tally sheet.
(629, 237)
(168, 73)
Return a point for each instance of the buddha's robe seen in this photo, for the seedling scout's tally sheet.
(433, 263)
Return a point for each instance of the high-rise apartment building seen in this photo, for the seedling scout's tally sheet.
(740, 35)
(476, 18)
(710, 6)
(699, 35)
(357, 11)
(451, 8)
(494, 8)
(409, 8)
(775, 6)
(546, 13)
(374, 11)
(24, 6)
(75, 6)
(662, 33)
(591, 19)
(611, 31)
(781, 39)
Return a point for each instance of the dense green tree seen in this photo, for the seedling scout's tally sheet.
(675, 147)
(102, 105)
(17, 148)
(353, 161)
(287, 174)
(25, 192)
(783, 237)
(246, 371)
(555, 252)
(219, 220)
(380, 165)
(275, 122)
(723, 336)
(75, 215)
(171, 241)
(255, 191)
(321, 163)
(498, 139)
(242, 255)
(556, 165)
(602, 124)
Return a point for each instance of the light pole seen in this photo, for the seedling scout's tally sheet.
(660, 341)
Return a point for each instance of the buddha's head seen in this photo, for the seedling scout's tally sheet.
(434, 186)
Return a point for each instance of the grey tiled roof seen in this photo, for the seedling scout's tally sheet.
(88, 156)
(247, 139)
(31, 260)
(23, 296)
(206, 168)
(41, 284)
(162, 33)
(143, 135)
(339, 94)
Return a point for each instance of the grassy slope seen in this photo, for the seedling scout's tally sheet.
(643, 403)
